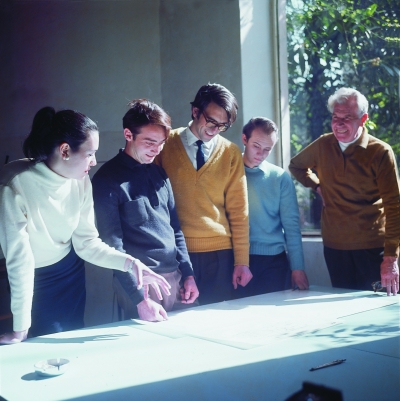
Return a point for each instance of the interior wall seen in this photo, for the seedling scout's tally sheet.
(91, 56)
(260, 64)
(200, 43)
(258, 61)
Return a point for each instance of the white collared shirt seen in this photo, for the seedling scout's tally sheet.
(189, 143)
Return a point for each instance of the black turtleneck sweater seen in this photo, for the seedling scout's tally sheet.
(135, 213)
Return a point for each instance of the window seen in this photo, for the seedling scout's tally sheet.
(335, 43)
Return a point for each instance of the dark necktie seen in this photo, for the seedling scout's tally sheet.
(200, 154)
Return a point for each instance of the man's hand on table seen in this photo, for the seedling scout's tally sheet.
(299, 280)
(390, 274)
(151, 311)
(189, 293)
(14, 337)
(241, 275)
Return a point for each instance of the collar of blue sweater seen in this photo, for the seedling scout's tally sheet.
(261, 167)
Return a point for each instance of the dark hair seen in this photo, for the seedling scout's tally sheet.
(218, 94)
(267, 125)
(51, 129)
(143, 112)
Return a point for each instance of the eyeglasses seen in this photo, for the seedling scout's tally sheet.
(210, 123)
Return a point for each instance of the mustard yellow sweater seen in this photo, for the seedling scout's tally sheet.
(212, 202)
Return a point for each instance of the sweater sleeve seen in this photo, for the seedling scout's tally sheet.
(14, 240)
(302, 164)
(185, 266)
(388, 184)
(290, 218)
(237, 209)
(106, 205)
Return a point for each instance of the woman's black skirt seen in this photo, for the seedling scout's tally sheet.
(59, 296)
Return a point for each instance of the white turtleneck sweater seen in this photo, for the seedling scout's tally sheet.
(41, 215)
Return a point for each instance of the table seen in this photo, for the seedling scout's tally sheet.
(257, 348)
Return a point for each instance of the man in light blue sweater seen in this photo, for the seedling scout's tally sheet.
(273, 216)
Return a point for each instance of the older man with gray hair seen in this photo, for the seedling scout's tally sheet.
(356, 176)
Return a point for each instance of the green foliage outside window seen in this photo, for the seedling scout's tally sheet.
(336, 43)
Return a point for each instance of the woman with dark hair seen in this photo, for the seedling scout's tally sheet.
(47, 227)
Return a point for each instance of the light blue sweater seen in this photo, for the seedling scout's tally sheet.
(274, 214)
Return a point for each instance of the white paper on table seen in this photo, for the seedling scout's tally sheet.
(256, 325)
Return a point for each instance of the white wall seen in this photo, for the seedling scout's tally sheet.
(259, 66)
(263, 45)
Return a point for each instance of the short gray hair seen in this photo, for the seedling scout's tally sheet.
(342, 95)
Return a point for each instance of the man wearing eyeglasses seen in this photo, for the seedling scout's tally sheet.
(356, 176)
(209, 184)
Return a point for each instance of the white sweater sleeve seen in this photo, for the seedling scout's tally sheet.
(14, 240)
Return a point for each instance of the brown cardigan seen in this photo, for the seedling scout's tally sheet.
(360, 188)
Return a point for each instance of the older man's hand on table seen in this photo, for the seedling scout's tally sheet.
(390, 274)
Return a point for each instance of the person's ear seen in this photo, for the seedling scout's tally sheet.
(196, 113)
(244, 139)
(128, 135)
(364, 118)
(64, 151)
